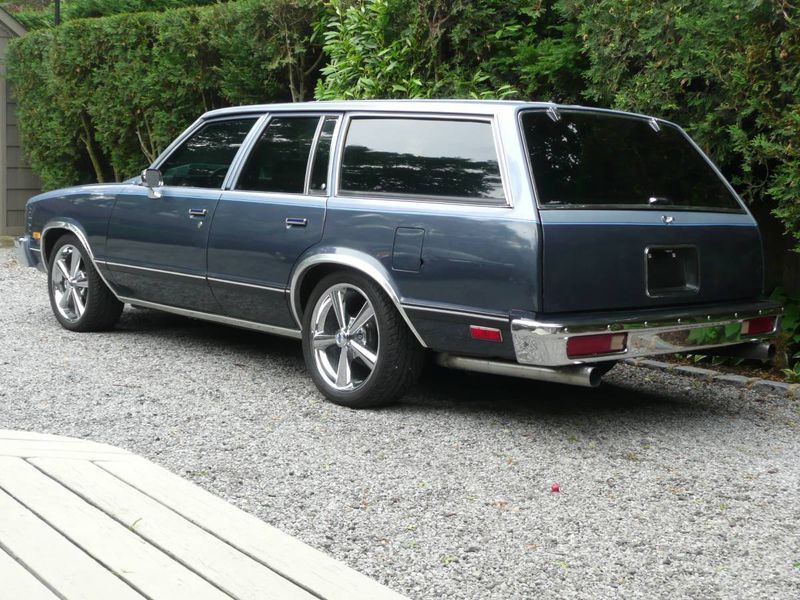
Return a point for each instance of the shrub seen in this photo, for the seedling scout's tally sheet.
(98, 99)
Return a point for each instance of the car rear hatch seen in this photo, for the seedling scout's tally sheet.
(633, 215)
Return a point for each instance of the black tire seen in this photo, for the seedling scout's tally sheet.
(399, 356)
(101, 307)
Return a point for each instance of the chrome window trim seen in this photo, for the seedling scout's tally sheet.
(331, 162)
(258, 129)
(278, 197)
(311, 156)
(508, 200)
(194, 314)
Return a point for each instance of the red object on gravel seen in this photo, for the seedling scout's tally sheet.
(555, 488)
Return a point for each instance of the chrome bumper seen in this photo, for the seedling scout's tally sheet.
(545, 344)
(26, 255)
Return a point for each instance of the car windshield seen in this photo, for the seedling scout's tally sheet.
(603, 160)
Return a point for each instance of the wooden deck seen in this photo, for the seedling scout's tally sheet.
(87, 521)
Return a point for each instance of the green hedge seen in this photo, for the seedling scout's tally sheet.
(98, 99)
(726, 70)
(38, 15)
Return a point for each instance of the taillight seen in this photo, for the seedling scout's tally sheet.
(758, 325)
(486, 334)
(592, 345)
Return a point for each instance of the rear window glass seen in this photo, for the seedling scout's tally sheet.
(432, 158)
(597, 160)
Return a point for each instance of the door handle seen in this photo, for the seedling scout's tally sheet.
(197, 212)
(296, 222)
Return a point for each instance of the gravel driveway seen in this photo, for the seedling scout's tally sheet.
(670, 487)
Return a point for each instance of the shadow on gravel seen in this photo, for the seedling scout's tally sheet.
(439, 389)
(153, 322)
(479, 392)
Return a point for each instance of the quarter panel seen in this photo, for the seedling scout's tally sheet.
(88, 207)
(479, 259)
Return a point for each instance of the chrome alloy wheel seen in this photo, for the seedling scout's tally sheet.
(69, 282)
(344, 337)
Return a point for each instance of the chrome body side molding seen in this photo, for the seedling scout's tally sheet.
(149, 269)
(194, 314)
(456, 313)
(365, 264)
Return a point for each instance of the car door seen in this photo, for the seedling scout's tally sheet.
(156, 247)
(273, 213)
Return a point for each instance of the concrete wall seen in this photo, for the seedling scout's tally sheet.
(17, 181)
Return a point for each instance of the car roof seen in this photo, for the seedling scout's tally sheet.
(471, 107)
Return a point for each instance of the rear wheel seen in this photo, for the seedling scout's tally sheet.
(357, 347)
(80, 299)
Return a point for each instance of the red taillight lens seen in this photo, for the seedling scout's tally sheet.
(758, 325)
(486, 334)
(591, 345)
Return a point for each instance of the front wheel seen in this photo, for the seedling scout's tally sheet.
(80, 299)
(357, 347)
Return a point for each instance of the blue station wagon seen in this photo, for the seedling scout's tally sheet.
(525, 239)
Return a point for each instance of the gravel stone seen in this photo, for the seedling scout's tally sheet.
(695, 371)
(737, 380)
(651, 364)
(671, 486)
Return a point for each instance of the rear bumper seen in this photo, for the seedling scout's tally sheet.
(649, 333)
(28, 256)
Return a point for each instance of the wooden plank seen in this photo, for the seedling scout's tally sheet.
(13, 434)
(58, 445)
(67, 568)
(120, 550)
(18, 583)
(234, 572)
(297, 561)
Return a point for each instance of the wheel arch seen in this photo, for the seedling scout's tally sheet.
(312, 268)
(54, 230)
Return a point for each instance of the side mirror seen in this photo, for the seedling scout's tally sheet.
(152, 179)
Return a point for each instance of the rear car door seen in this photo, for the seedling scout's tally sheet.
(156, 248)
(634, 216)
(275, 211)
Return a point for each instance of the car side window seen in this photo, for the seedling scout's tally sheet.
(203, 160)
(439, 159)
(279, 159)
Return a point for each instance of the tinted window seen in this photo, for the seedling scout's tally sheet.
(423, 157)
(599, 160)
(203, 159)
(279, 159)
(319, 171)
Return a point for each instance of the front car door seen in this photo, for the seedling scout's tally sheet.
(156, 248)
(275, 211)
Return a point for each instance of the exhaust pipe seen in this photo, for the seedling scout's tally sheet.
(583, 375)
(752, 350)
